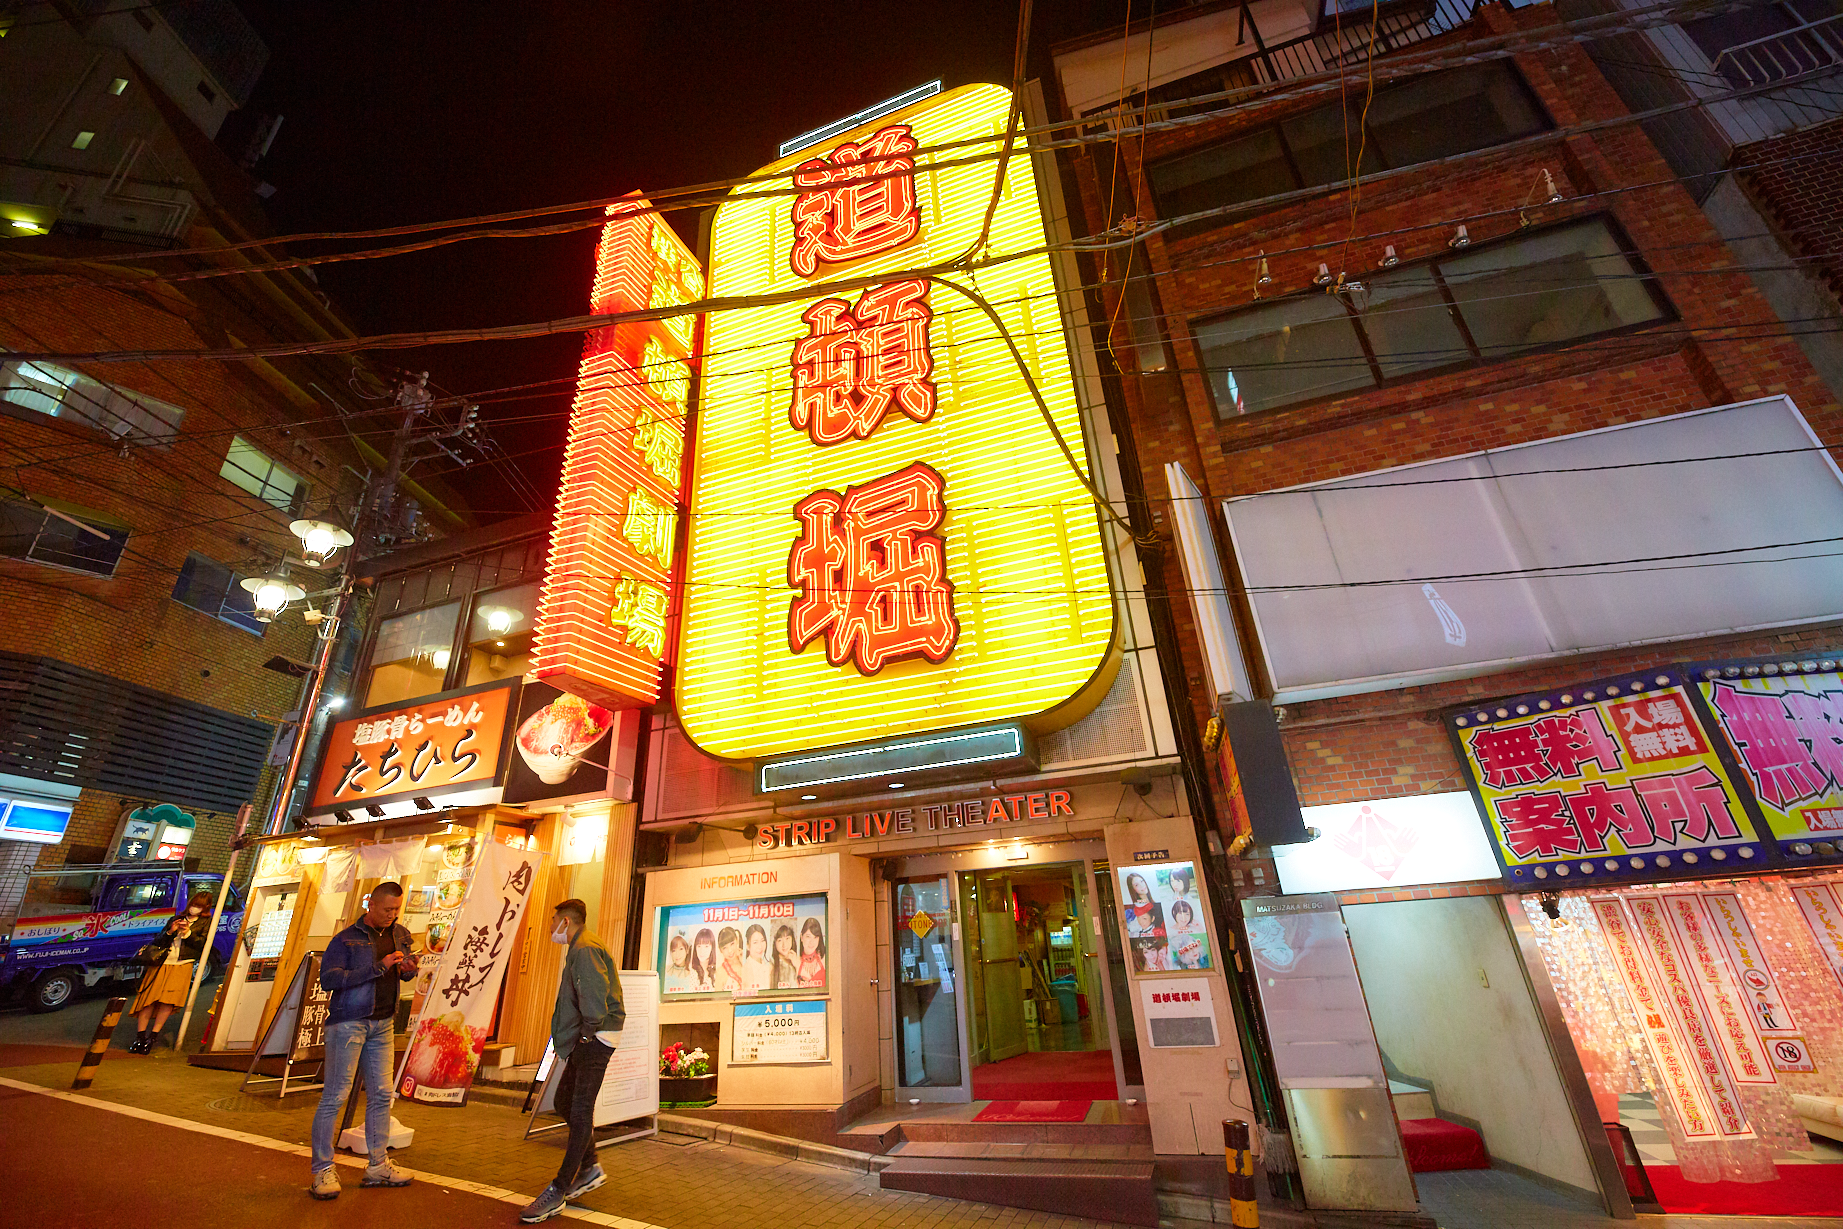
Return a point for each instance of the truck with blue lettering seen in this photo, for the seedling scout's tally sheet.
(80, 926)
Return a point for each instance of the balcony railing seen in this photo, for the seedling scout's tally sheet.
(1803, 49)
(1351, 44)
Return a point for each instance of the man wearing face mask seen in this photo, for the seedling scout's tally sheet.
(583, 1029)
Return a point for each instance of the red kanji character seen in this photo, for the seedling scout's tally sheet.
(1769, 745)
(1569, 740)
(1537, 825)
(1598, 810)
(871, 574)
(852, 215)
(855, 364)
(1510, 757)
(1819, 719)
(1691, 804)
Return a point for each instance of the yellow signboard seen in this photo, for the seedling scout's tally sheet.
(885, 536)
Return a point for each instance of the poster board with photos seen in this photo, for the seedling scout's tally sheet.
(743, 948)
(1162, 910)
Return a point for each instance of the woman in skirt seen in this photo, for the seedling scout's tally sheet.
(165, 985)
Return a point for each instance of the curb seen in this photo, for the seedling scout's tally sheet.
(774, 1145)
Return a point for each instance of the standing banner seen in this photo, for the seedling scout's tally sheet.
(1823, 913)
(1786, 733)
(1721, 1000)
(457, 1014)
(1683, 1010)
(1613, 780)
(1682, 1087)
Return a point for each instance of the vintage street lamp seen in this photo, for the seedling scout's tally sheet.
(320, 540)
(273, 593)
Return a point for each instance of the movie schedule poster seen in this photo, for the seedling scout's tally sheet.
(743, 948)
(1164, 917)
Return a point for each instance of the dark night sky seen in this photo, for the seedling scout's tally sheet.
(405, 113)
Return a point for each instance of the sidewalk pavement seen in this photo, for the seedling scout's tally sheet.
(668, 1181)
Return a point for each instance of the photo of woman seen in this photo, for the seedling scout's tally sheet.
(786, 960)
(1151, 956)
(1144, 917)
(812, 954)
(1182, 918)
(729, 959)
(755, 969)
(704, 959)
(679, 978)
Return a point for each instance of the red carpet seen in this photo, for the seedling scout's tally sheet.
(1435, 1144)
(1034, 1111)
(1048, 1076)
(1802, 1190)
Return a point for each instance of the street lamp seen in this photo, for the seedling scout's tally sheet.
(320, 540)
(272, 594)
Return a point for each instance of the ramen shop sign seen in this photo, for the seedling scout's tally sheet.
(442, 745)
(884, 532)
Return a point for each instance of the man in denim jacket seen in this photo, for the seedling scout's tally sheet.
(364, 967)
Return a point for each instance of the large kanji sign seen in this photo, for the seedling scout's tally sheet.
(450, 743)
(1612, 780)
(884, 537)
(1785, 731)
(601, 626)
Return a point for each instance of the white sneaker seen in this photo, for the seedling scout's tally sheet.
(325, 1184)
(386, 1174)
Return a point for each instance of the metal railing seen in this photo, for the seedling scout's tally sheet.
(1353, 42)
(1803, 49)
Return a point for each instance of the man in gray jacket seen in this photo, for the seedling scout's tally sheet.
(583, 1030)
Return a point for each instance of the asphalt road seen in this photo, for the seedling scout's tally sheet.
(76, 1023)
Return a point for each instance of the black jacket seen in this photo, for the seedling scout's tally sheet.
(192, 946)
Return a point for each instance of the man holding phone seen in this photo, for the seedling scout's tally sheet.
(364, 968)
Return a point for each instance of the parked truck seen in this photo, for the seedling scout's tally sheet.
(80, 926)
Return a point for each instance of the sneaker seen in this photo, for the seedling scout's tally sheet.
(544, 1206)
(587, 1181)
(326, 1184)
(385, 1174)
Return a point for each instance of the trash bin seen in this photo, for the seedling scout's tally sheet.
(1066, 999)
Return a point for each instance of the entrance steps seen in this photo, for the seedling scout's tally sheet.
(1100, 1169)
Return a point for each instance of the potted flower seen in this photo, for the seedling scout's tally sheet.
(685, 1077)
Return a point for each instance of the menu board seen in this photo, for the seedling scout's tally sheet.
(789, 1032)
(1613, 780)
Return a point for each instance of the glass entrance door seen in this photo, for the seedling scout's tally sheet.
(929, 1041)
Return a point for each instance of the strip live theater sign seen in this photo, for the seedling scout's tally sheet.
(601, 628)
(884, 535)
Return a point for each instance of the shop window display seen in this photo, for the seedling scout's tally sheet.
(1708, 1018)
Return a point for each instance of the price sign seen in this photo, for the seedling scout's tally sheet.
(786, 1032)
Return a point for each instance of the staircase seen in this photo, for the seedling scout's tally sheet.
(1102, 1171)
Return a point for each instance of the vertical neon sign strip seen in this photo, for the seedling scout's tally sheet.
(601, 628)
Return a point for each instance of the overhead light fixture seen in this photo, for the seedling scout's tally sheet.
(272, 594)
(1323, 276)
(423, 804)
(499, 619)
(895, 785)
(1389, 258)
(320, 540)
(1460, 239)
(335, 704)
(440, 658)
(25, 224)
(809, 797)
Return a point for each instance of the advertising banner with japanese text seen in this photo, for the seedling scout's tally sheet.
(1785, 731)
(440, 746)
(743, 947)
(1822, 910)
(1700, 950)
(768, 1033)
(457, 1015)
(1613, 780)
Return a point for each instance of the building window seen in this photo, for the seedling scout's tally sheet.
(1770, 42)
(500, 634)
(1483, 304)
(412, 653)
(211, 588)
(64, 537)
(71, 396)
(1435, 116)
(83, 140)
(207, 93)
(262, 476)
(119, 86)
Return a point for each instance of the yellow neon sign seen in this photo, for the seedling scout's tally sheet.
(951, 433)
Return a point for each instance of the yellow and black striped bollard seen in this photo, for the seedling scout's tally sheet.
(1244, 1212)
(99, 1044)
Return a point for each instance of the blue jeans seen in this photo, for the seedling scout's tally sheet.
(350, 1046)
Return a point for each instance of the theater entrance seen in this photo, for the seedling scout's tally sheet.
(1005, 971)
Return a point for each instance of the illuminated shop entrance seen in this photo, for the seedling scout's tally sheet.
(1004, 978)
